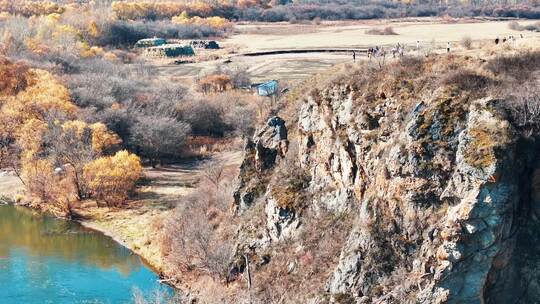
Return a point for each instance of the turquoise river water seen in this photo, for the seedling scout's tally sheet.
(47, 260)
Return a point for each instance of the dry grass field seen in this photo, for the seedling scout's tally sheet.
(258, 37)
(433, 35)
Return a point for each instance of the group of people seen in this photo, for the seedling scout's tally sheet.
(509, 38)
(375, 52)
(398, 50)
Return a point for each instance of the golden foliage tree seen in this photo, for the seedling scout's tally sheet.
(43, 94)
(30, 8)
(60, 158)
(101, 137)
(160, 10)
(214, 21)
(111, 178)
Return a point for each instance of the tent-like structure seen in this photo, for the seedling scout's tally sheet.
(169, 50)
(149, 42)
(269, 88)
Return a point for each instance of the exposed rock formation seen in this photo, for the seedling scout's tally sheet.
(444, 191)
(261, 154)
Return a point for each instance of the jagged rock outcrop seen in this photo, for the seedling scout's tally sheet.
(261, 154)
(439, 214)
(444, 190)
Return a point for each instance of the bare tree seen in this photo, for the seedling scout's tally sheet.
(199, 234)
(158, 137)
(524, 106)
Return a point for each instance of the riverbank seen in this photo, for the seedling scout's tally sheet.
(49, 260)
(127, 226)
(138, 224)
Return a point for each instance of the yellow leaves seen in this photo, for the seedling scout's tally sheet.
(218, 22)
(4, 16)
(52, 192)
(66, 30)
(30, 8)
(183, 17)
(110, 56)
(44, 93)
(116, 106)
(29, 137)
(102, 138)
(77, 126)
(28, 96)
(87, 51)
(141, 10)
(215, 22)
(111, 178)
(35, 46)
(201, 8)
(94, 30)
(249, 3)
(54, 17)
(37, 174)
(215, 83)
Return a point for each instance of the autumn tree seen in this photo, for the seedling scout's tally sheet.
(214, 21)
(12, 77)
(61, 159)
(215, 83)
(111, 178)
(44, 185)
(76, 143)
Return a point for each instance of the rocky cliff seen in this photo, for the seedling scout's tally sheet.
(435, 182)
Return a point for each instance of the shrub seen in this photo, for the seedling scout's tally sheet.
(289, 185)
(466, 42)
(157, 138)
(111, 178)
(204, 117)
(517, 66)
(467, 80)
(199, 230)
(523, 104)
(385, 31)
(215, 83)
(12, 77)
(213, 22)
(514, 25)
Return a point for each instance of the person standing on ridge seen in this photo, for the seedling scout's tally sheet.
(354, 56)
(448, 47)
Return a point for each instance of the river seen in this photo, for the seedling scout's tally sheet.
(47, 260)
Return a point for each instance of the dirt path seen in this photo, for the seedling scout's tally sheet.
(137, 225)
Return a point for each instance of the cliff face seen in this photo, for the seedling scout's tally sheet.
(442, 195)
